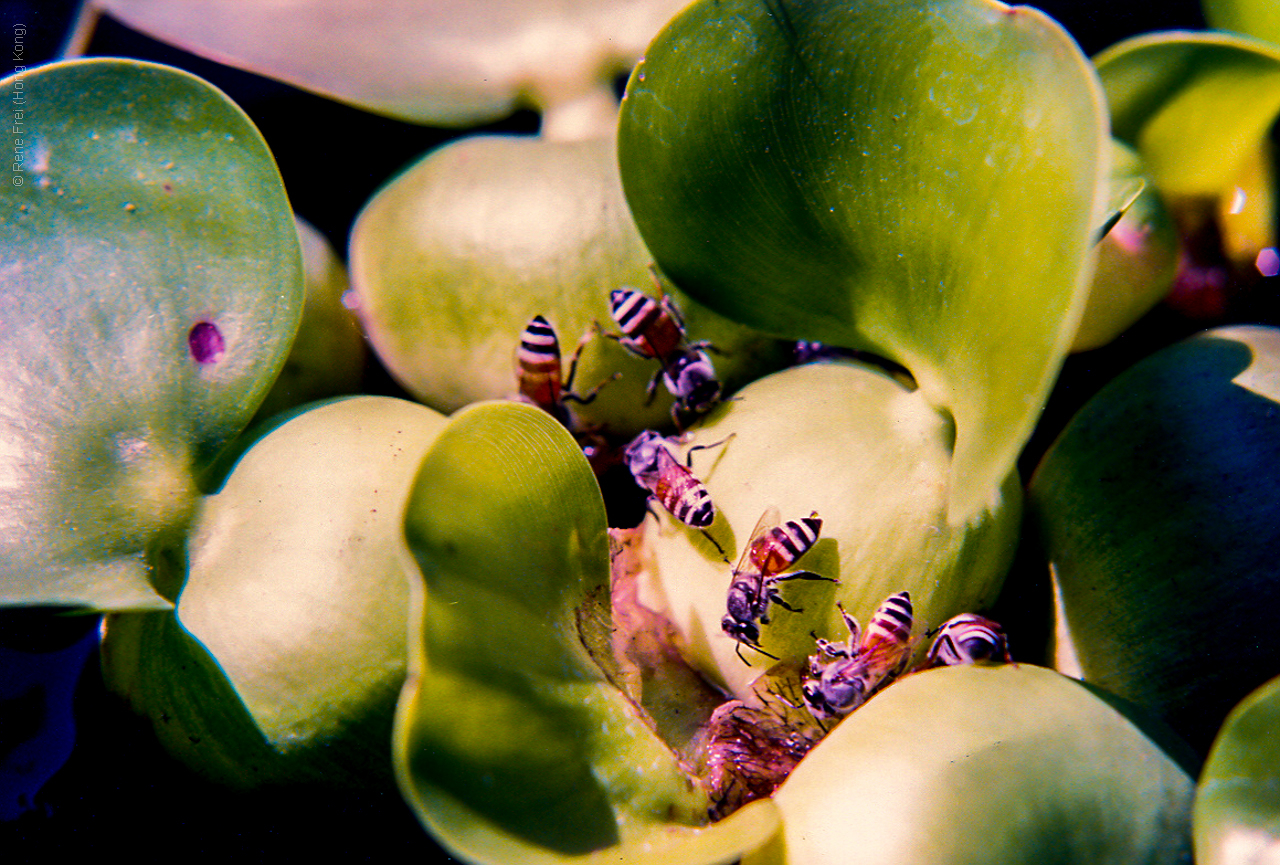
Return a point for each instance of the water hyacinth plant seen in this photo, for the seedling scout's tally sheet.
(836, 257)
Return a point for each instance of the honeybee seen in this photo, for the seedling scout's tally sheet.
(539, 371)
(653, 329)
(772, 549)
(967, 638)
(656, 468)
(842, 676)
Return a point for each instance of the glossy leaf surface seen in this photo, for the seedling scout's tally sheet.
(872, 458)
(451, 62)
(1196, 106)
(286, 652)
(919, 179)
(984, 764)
(1159, 514)
(1257, 18)
(152, 287)
(510, 742)
(328, 354)
(452, 259)
(1237, 810)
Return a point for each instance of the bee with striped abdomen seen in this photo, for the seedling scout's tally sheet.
(842, 676)
(772, 548)
(539, 371)
(967, 639)
(655, 468)
(653, 329)
(650, 328)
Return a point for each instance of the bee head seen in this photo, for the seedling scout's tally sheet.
(693, 379)
(641, 453)
(743, 631)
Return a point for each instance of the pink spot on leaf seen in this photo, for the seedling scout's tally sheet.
(206, 342)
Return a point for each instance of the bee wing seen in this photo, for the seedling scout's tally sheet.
(887, 657)
(768, 520)
(666, 470)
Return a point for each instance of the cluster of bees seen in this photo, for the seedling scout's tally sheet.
(747, 750)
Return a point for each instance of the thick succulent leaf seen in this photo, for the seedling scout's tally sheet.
(924, 180)
(451, 62)
(1158, 511)
(452, 259)
(872, 458)
(328, 354)
(1196, 106)
(510, 743)
(1257, 18)
(1137, 258)
(984, 764)
(152, 287)
(1237, 811)
(284, 658)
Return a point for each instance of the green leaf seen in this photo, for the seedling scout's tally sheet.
(443, 61)
(452, 259)
(1158, 512)
(1257, 18)
(284, 658)
(328, 355)
(1237, 812)
(872, 458)
(152, 287)
(1196, 106)
(923, 180)
(510, 743)
(984, 764)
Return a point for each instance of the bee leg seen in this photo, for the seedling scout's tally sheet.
(704, 345)
(802, 575)
(851, 623)
(583, 399)
(597, 330)
(573, 360)
(786, 606)
(622, 340)
(669, 306)
(676, 408)
(757, 648)
(689, 456)
(589, 396)
(651, 389)
(833, 650)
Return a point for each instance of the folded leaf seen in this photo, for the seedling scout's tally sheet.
(1196, 106)
(510, 742)
(923, 180)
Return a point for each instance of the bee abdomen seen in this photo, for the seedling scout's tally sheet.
(966, 638)
(783, 545)
(538, 357)
(892, 620)
(687, 499)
